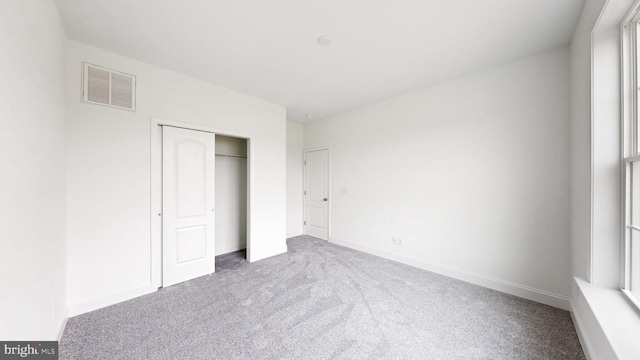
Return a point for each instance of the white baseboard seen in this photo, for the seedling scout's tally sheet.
(522, 291)
(60, 325)
(98, 302)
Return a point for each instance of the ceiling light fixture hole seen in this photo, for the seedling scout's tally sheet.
(324, 40)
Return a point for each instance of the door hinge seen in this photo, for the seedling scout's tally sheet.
(305, 222)
(305, 192)
(305, 163)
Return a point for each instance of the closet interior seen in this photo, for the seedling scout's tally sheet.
(231, 194)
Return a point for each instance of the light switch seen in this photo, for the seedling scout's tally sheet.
(344, 190)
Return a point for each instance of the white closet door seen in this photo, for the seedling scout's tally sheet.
(188, 200)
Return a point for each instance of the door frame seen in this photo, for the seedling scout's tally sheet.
(156, 188)
(304, 183)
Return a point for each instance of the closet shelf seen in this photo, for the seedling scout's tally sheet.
(232, 156)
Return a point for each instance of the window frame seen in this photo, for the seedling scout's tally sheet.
(630, 143)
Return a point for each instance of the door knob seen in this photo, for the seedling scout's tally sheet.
(325, 199)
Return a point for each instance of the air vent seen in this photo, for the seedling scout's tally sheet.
(107, 87)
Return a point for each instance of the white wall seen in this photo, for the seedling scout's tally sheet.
(109, 157)
(294, 178)
(32, 158)
(472, 175)
(231, 195)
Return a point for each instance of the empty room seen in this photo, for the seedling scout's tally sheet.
(320, 179)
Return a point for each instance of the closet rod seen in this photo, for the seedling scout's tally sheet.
(232, 156)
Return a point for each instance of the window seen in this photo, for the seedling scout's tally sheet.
(631, 154)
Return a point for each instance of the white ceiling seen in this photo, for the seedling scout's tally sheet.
(268, 49)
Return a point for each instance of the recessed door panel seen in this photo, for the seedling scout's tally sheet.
(191, 178)
(191, 244)
(316, 217)
(317, 186)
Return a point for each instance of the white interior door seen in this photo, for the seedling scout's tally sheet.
(316, 194)
(188, 200)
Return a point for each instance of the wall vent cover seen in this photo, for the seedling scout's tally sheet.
(108, 87)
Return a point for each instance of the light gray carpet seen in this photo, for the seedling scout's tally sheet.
(322, 301)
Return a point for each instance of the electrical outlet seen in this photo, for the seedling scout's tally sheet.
(394, 240)
(399, 242)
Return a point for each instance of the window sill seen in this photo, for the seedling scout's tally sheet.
(617, 317)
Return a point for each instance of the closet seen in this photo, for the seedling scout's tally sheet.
(231, 194)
